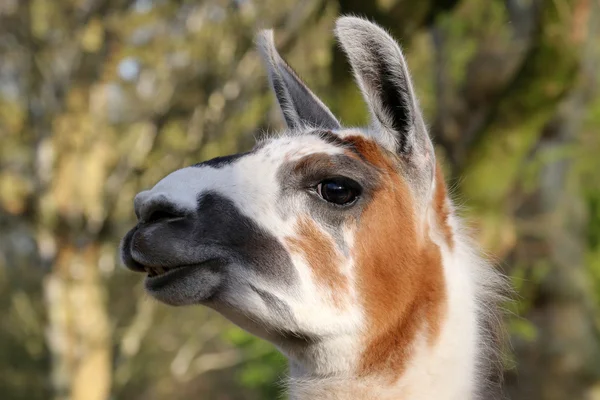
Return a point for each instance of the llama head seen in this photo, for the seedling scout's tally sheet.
(320, 234)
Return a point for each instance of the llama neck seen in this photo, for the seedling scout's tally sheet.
(443, 370)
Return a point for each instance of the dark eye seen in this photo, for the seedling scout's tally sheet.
(339, 191)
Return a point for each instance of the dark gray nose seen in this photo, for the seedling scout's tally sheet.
(151, 208)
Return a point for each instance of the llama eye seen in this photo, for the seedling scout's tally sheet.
(340, 191)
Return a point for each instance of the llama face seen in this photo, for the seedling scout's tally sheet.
(321, 232)
(244, 233)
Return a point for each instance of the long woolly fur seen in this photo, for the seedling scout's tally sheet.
(493, 292)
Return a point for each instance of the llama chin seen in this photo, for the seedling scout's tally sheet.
(339, 245)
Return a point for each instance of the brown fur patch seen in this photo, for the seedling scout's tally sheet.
(322, 257)
(441, 206)
(371, 152)
(399, 272)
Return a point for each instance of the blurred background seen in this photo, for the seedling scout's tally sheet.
(101, 98)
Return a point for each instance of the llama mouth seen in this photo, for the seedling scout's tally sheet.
(159, 271)
(186, 284)
(158, 276)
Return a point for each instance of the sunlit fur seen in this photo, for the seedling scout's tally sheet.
(384, 299)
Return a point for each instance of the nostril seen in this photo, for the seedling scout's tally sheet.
(159, 209)
(159, 215)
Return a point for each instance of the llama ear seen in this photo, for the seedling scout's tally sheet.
(381, 72)
(298, 103)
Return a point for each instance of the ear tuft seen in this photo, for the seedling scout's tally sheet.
(299, 105)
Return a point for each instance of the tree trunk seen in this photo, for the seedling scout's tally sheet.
(79, 333)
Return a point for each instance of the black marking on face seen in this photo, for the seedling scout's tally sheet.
(217, 234)
(219, 162)
(226, 227)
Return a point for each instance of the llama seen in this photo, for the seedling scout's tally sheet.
(340, 246)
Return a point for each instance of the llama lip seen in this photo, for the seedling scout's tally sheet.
(187, 284)
(158, 271)
(156, 274)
